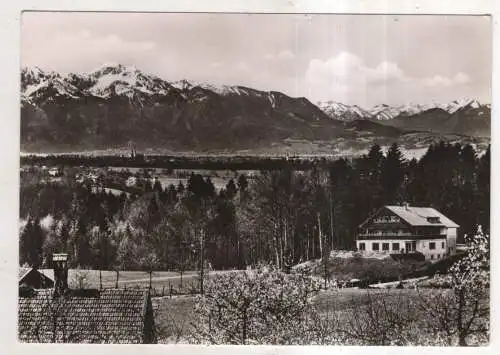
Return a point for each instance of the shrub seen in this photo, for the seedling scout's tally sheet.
(264, 306)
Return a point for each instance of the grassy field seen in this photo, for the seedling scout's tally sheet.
(174, 316)
(161, 281)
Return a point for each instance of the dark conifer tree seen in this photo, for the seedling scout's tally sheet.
(25, 243)
(231, 189)
(392, 176)
(157, 186)
(242, 183)
(36, 244)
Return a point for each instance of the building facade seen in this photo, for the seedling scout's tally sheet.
(407, 229)
(64, 315)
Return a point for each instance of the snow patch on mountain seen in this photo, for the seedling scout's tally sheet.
(112, 79)
(386, 112)
(122, 80)
(341, 111)
(456, 105)
(61, 88)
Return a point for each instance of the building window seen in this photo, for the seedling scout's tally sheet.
(375, 246)
(432, 256)
(385, 246)
(439, 256)
(432, 245)
(361, 246)
(395, 246)
(442, 245)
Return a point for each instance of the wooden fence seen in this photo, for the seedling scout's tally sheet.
(169, 289)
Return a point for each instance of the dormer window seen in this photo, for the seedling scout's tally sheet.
(433, 219)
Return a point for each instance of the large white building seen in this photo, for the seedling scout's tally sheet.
(408, 229)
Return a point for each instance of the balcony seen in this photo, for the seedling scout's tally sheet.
(399, 236)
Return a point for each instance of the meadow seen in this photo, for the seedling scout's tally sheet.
(162, 282)
(174, 316)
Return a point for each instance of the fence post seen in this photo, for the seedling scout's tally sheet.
(163, 291)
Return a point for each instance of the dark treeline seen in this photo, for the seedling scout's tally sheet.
(176, 162)
(282, 216)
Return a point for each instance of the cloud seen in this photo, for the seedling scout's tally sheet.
(110, 43)
(63, 50)
(462, 78)
(348, 68)
(438, 80)
(385, 71)
(285, 54)
(243, 66)
(346, 75)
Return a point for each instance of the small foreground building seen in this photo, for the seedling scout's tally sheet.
(63, 315)
(408, 230)
(34, 278)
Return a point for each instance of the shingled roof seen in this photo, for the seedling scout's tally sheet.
(417, 216)
(86, 316)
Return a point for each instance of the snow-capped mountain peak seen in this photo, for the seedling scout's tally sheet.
(182, 85)
(341, 111)
(386, 112)
(111, 79)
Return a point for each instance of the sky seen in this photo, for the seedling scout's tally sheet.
(365, 60)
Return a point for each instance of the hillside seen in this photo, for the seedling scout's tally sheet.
(114, 105)
(472, 119)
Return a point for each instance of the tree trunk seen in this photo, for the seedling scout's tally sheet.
(201, 259)
(320, 237)
(245, 320)
(462, 334)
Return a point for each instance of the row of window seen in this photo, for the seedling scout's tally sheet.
(437, 256)
(375, 246)
(395, 246)
(432, 245)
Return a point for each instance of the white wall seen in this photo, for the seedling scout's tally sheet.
(422, 246)
(368, 244)
(451, 236)
(433, 254)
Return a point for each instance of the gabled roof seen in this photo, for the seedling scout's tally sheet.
(84, 316)
(417, 216)
(25, 271)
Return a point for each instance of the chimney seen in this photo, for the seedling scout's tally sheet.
(406, 205)
(60, 265)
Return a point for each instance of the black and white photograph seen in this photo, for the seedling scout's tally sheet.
(254, 178)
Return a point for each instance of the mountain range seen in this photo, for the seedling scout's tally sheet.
(115, 104)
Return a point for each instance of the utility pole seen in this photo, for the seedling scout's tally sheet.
(332, 216)
(325, 260)
(201, 259)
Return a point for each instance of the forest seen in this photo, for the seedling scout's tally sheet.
(281, 216)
